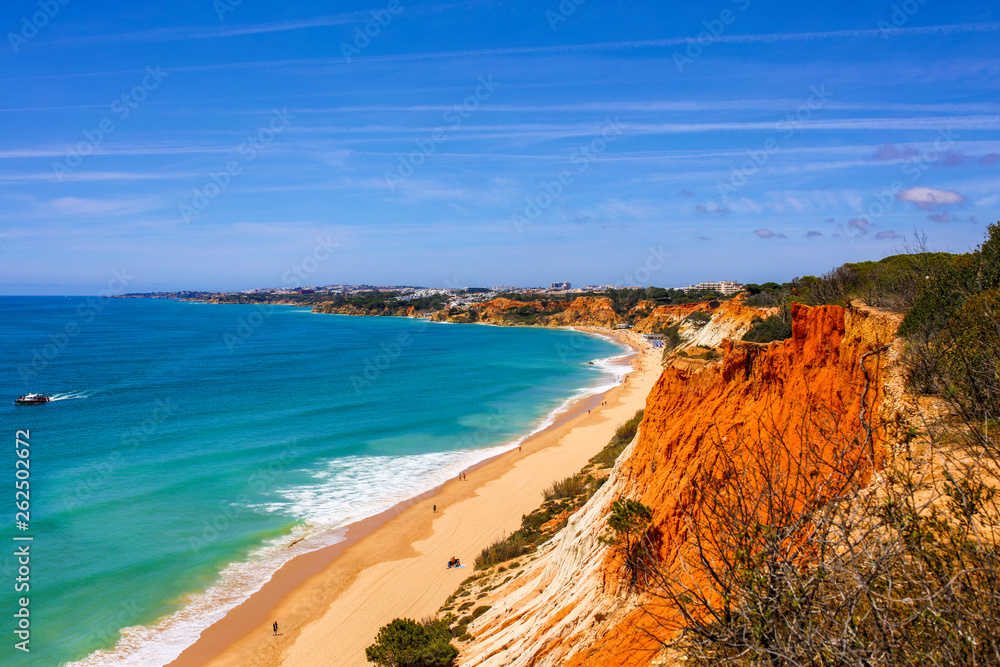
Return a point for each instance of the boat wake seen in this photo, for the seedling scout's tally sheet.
(67, 396)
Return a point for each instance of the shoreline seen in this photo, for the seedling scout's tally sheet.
(305, 589)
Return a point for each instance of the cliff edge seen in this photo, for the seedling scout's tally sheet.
(834, 385)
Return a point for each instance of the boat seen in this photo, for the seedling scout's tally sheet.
(32, 399)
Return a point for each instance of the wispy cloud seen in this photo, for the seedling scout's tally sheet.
(183, 33)
(140, 149)
(766, 38)
(94, 176)
(89, 207)
(768, 234)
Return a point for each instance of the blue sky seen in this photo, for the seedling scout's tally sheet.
(239, 144)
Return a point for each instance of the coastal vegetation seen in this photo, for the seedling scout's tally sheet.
(893, 283)
(407, 643)
(389, 303)
(766, 330)
(628, 535)
(606, 458)
(699, 318)
(626, 298)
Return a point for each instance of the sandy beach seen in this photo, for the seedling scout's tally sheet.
(329, 604)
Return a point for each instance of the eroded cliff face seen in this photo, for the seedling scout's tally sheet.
(569, 606)
(328, 309)
(730, 319)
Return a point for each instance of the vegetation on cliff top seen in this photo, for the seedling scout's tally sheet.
(893, 283)
(388, 303)
(769, 329)
(626, 298)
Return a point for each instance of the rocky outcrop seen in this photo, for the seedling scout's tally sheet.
(329, 309)
(569, 607)
(729, 320)
(590, 312)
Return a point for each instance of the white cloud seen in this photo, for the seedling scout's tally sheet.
(930, 198)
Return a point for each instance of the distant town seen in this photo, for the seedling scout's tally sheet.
(455, 296)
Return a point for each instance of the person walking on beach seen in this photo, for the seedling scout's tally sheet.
(275, 627)
(435, 508)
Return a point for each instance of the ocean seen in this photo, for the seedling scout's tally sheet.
(192, 449)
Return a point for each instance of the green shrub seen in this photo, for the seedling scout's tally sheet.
(699, 318)
(623, 435)
(406, 643)
(504, 549)
(567, 488)
(626, 430)
(628, 526)
(606, 457)
(766, 331)
(671, 334)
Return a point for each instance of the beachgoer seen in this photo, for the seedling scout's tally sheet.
(458, 563)
(275, 627)
(435, 508)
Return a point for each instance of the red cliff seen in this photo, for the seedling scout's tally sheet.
(570, 607)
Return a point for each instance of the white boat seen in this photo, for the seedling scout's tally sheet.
(32, 399)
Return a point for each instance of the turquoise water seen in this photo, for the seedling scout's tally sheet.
(194, 448)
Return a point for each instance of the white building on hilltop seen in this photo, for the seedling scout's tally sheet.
(723, 287)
